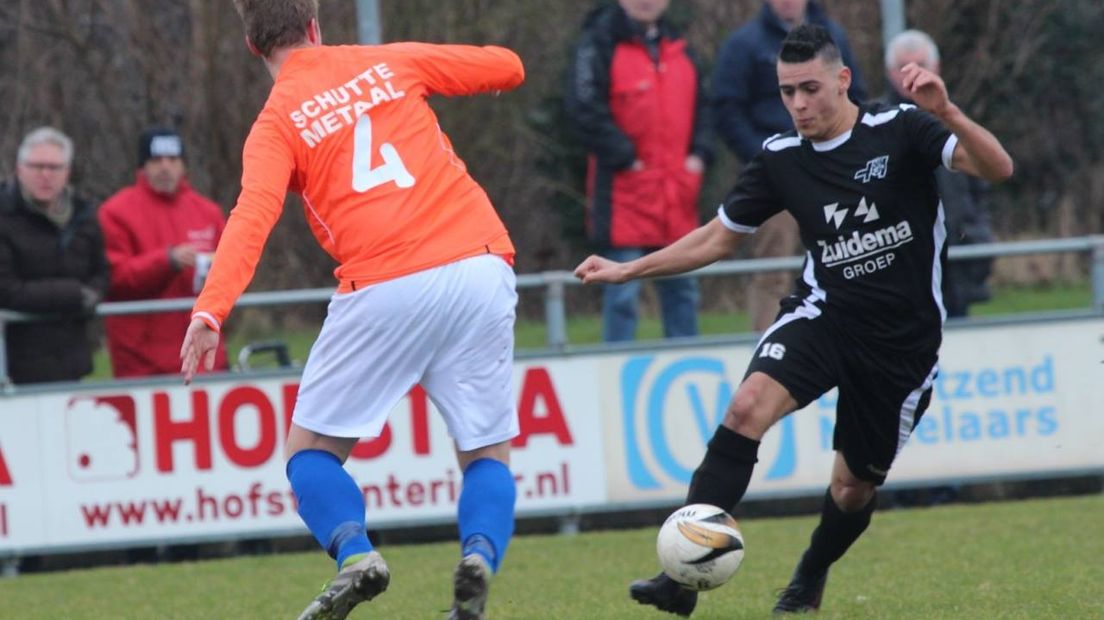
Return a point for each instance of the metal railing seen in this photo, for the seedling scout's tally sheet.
(555, 285)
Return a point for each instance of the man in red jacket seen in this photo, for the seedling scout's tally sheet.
(159, 235)
(637, 100)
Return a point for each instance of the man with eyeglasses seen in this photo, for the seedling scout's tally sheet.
(52, 263)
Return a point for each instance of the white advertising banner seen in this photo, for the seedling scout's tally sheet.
(164, 463)
(1010, 400)
(122, 464)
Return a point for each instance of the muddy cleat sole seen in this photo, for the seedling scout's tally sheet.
(803, 595)
(353, 585)
(470, 584)
(665, 594)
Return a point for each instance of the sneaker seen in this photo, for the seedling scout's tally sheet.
(470, 583)
(803, 594)
(361, 581)
(665, 594)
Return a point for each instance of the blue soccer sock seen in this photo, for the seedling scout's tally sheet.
(485, 514)
(330, 503)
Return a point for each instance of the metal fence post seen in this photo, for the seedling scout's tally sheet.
(554, 313)
(1097, 242)
(5, 380)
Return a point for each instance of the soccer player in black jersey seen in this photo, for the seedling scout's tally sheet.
(867, 313)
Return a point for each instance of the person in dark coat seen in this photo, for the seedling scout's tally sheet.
(52, 263)
(748, 110)
(964, 197)
(637, 99)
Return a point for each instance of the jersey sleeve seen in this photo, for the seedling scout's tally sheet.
(752, 200)
(464, 69)
(932, 143)
(267, 164)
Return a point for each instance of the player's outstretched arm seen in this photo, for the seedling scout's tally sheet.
(465, 69)
(704, 245)
(978, 152)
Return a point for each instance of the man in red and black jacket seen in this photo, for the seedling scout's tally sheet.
(638, 102)
(159, 234)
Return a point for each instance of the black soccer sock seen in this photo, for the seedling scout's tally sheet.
(724, 473)
(835, 534)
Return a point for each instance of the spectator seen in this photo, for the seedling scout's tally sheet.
(748, 111)
(964, 197)
(51, 262)
(637, 98)
(159, 234)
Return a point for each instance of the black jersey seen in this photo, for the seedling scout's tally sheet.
(870, 218)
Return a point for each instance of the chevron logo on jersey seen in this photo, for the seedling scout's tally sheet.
(869, 213)
(835, 215)
(875, 169)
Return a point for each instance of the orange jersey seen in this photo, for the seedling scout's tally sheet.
(349, 128)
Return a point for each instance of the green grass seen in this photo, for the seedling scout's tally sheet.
(588, 329)
(1036, 559)
(1058, 296)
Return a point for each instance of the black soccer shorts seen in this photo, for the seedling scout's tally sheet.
(882, 393)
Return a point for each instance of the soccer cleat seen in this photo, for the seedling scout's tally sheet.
(470, 583)
(665, 594)
(803, 594)
(361, 581)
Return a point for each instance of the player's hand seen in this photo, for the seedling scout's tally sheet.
(200, 343)
(694, 164)
(596, 269)
(183, 255)
(925, 88)
(637, 165)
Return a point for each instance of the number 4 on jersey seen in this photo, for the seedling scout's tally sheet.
(365, 177)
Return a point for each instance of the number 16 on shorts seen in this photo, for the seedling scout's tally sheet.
(774, 350)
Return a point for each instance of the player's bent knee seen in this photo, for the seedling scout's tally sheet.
(499, 451)
(748, 414)
(300, 439)
(852, 497)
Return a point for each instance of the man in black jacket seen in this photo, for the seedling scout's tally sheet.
(51, 263)
(964, 197)
(748, 110)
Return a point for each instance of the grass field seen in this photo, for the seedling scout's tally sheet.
(1035, 559)
(587, 329)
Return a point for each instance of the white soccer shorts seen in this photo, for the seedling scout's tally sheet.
(449, 328)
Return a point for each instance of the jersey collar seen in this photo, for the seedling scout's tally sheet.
(828, 145)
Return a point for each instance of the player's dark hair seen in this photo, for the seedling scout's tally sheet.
(807, 42)
(272, 24)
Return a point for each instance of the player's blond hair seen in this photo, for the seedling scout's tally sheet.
(272, 24)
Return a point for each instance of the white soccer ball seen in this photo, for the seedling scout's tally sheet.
(700, 546)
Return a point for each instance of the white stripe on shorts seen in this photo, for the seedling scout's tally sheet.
(908, 409)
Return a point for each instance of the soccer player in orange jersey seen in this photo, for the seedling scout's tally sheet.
(426, 290)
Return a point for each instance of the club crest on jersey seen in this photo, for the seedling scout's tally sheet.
(835, 215)
(875, 169)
